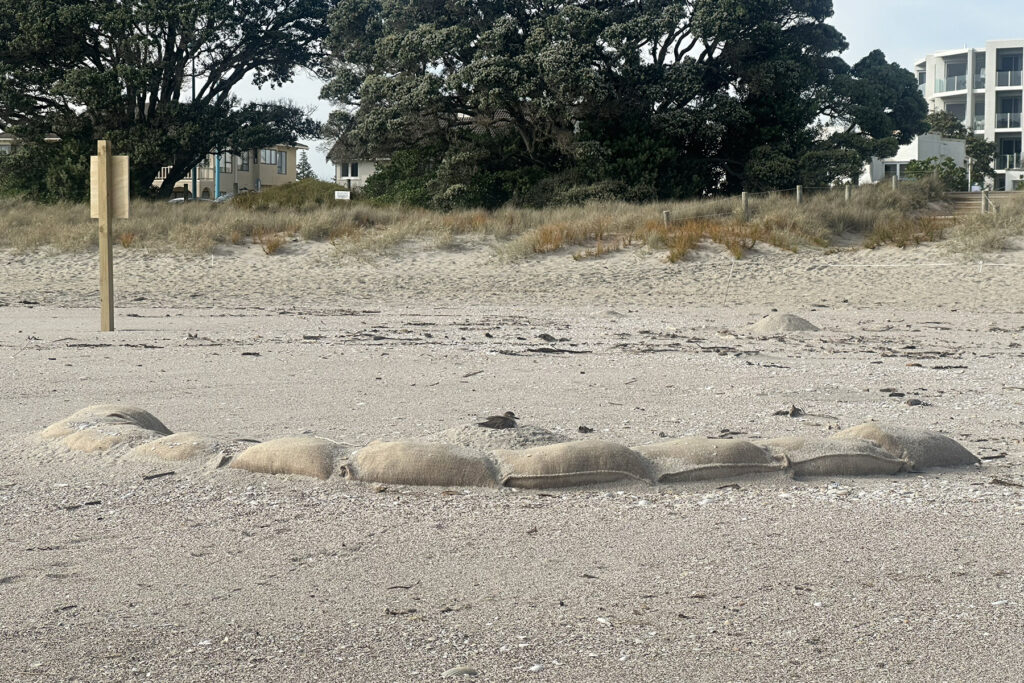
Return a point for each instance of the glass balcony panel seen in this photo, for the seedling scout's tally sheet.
(979, 122)
(979, 81)
(1008, 78)
(1008, 120)
(950, 84)
(1008, 162)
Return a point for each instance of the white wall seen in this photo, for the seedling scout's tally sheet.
(367, 167)
(920, 148)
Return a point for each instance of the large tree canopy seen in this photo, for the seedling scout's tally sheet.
(121, 69)
(482, 101)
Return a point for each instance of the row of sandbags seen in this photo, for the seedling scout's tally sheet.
(867, 449)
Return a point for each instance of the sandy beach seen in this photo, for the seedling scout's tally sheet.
(209, 574)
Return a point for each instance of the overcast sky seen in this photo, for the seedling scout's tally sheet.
(905, 30)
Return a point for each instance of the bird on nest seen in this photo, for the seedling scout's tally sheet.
(506, 421)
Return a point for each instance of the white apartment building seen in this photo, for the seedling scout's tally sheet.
(920, 148)
(983, 88)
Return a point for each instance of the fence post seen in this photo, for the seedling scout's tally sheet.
(846, 192)
(106, 239)
(666, 216)
(745, 205)
(799, 194)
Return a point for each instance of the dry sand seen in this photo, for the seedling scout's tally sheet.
(214, 574)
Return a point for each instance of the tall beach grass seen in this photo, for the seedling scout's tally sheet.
(874, 215)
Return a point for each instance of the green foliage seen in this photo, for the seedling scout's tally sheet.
(946, 125)
(531, 102)
(301, 194)
(980, 151)
(303, 169)
(91, 69)
(404, 179)
(952, 177)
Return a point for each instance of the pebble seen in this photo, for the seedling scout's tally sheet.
(460, 671)
(536, 668)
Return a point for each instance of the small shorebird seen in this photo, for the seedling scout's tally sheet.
(506, 421)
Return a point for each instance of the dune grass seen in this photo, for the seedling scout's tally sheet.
(988, 232)
(875, 215)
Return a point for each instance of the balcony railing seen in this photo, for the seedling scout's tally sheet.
(951, 83)
(979, 122)
(979, 81)
(1008, 162)
(1008, 78)
(1008, 120)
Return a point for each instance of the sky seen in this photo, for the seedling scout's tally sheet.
(905, 30)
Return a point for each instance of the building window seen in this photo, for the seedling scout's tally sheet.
(282, 162)
(225, 163)
(349, 170)
(6, 148)
(243, 161)
(268, 156)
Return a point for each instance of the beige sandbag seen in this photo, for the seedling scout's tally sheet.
(698, 459)
(175, 447)
(418, 463)
(105, 413)
(303, 455)
(920, 447)
(834, 457)
(102, 427)
(574, 463)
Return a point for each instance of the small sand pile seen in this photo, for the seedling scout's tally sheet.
(175, 447)
(484, 439)
(777, 323)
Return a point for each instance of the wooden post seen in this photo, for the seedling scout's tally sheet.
(666, 216)
(799, 194)
(846, 192)
(745, 204)
(106, 238)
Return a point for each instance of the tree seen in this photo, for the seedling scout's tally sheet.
(525, 100)
(952, 177)
(303, 169)
(980, 152)
(119, 69)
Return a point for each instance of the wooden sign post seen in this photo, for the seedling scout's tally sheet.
(108, 199)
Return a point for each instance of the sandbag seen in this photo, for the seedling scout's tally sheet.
(574, 463)
(919, 447)
(175, 447)
(302, 455)
(699, 459)
(106, 413)
(102, 427)
(418, 463)
(834, 457)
